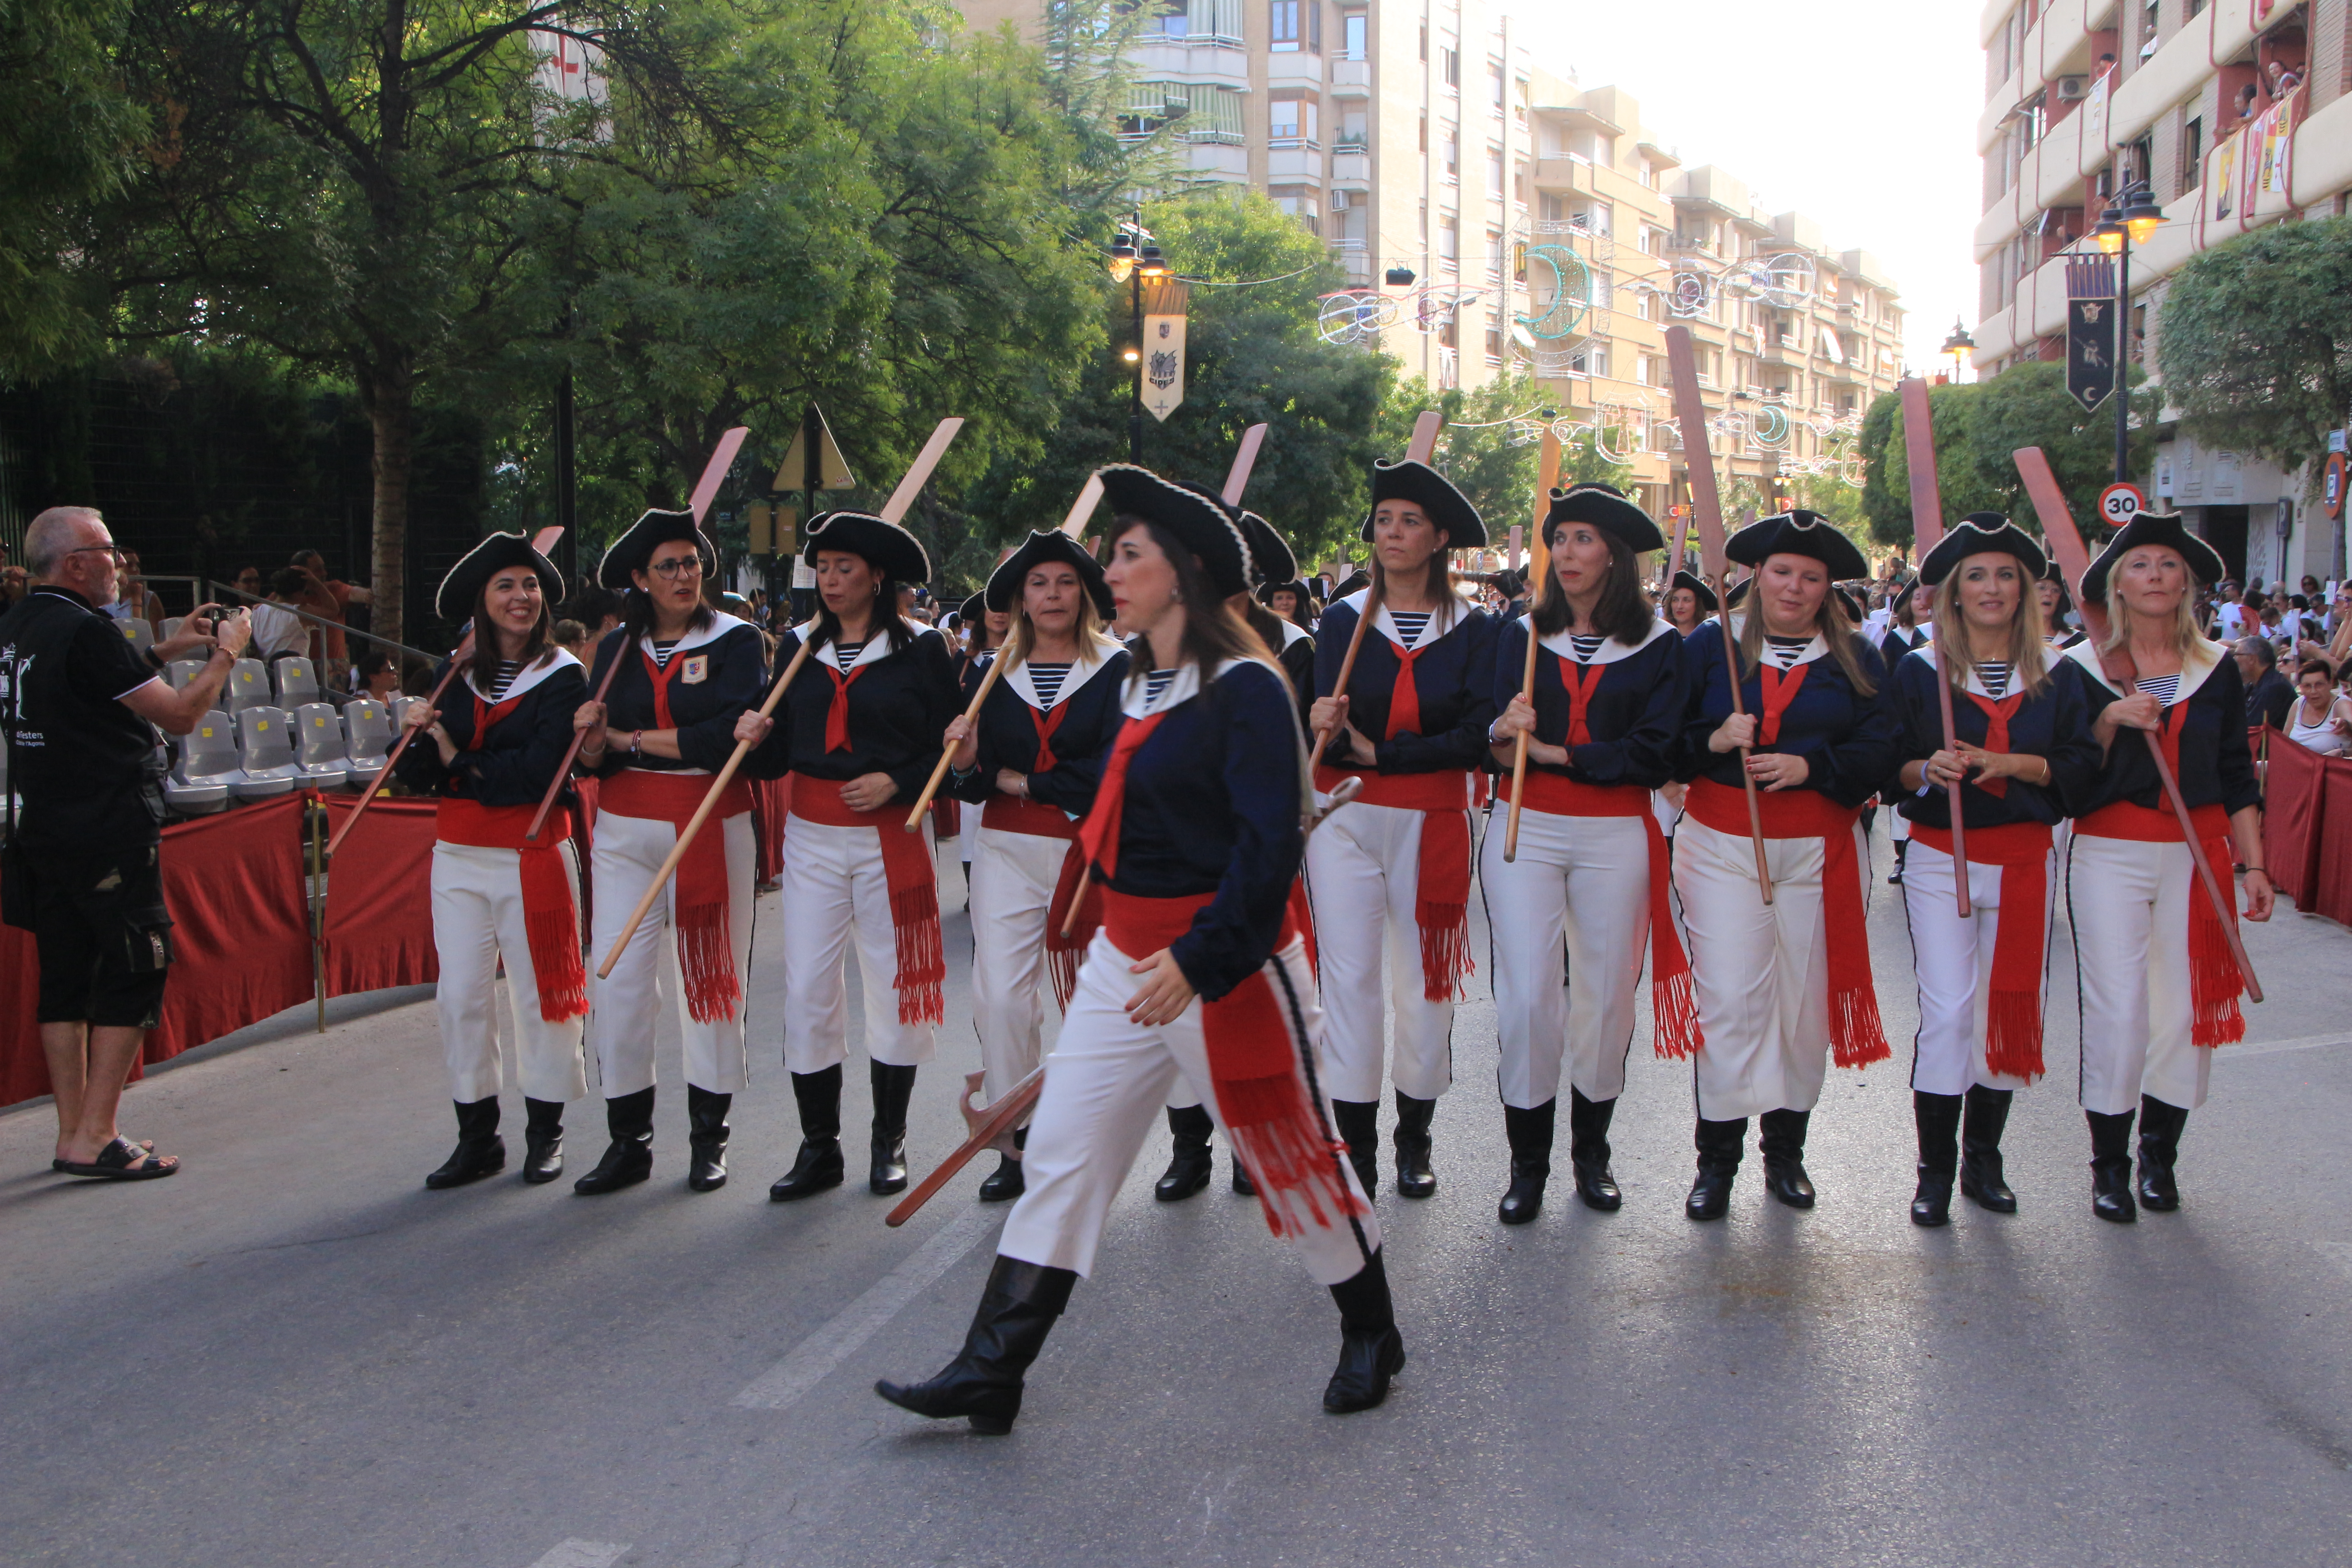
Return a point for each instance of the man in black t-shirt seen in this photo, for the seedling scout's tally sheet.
(79, 707)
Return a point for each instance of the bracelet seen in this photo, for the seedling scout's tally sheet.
(634, 736)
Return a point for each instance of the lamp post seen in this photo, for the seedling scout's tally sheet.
(2131, 220)
(1960, 345)
(1134, 257)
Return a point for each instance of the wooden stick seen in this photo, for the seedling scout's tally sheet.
(1425, 442)
(990, 1128)
(2066, 543)
(542, 542)
(1927, 533)
(896, 508)
(1245, 459)
(1706, 508)
(714, 474)
(1547, 475)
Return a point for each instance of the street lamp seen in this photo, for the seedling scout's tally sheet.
(1134, 257)
(2132, 219)
(1960, 345)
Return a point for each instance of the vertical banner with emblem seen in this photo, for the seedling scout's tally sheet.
(1163, 368)
(2092, 330)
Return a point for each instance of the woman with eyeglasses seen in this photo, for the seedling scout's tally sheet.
(687, 673)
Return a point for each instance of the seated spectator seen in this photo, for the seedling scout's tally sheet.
(2269, 694)
(278, 632)
(572, 639)
(2245, 103)
(2285, 78)
(248, 582)
(2321, 716)
(374, 675)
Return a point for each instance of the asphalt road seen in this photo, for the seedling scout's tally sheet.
(291, 1354)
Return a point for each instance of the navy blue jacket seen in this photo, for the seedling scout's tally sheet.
(514, 762)
(1082, 740)
(1635, 715)
(1212, 806)
(1455, 681)
(712, 676)
(899, 706)
(2217, 767)
(1899, 641)
(1848, 740)
(2055, 725)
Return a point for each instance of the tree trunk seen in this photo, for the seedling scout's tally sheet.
(389, 392)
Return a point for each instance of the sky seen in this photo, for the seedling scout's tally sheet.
(1859, 113)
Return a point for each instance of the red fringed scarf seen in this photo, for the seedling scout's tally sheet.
(1857, 1038)
(698, 899)
(1099, 834)
(913, 882)
(1256, 1049)
(2013, 1004)
(1674, 994)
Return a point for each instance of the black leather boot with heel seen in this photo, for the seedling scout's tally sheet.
(480, 1150)
(1720, 1145)
(818, 1167)
(983, 1384)
(1371, 1352)
(1413, 1142)
(2111, 1167)
(1982, 1181)
(893, 1088)
(706, 1134)
(542, 1140)
(1189, 1164)
(2159, 1145)
(1588, 1150)
(1006, 1182)
(1530, 1134)
(1938, 1118)
(629, 1157)
(1359, 1124)
(1783, 1138)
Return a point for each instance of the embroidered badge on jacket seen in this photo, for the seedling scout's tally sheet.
(695, 669)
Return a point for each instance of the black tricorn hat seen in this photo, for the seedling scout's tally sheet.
(883, 545)
(1356, 581)
(969, 613)
(461, 590)
(2167, 529)
(1197, 517)
(1798, 533)
(1606, 507)
(1004, 584)
(630, 552)
(1431, 491)
(1266, 591)
(1981, 533)
(1271, 558)
(1707, 603)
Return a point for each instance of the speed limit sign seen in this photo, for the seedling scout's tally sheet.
(2119, 503)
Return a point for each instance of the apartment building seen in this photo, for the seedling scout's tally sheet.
(2236, 114)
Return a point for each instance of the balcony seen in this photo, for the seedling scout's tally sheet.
(1294, 70)
(1211, 161)
(1287, 162)
(1174, 59)
(1351, 78)
(1559, 173)
(1351, 166)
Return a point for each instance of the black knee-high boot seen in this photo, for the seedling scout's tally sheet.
(1982, 1180)
(1359, 1124)
(706, 1118)
(1530, 1133)
(1371, 1352)
(818, 1166)
(480, 1150)
(893, 1088)
(1720, 1145)
(1413, 1142)
(1006, 1182)
(542, 1140)
(1938, 1118)
(629, 1158)
(2111, 1167)
(1784, 1157)
(1189, 1164)
(984, 1381)
(2159, 1145)
(1588, 1150)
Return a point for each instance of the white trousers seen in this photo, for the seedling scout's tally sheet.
(1104, 1085)
(1363, 869)
(1762, 970)
(477, 919)
(836, 889)
(1954, 960)
(628, 851)
(1012, 880)
(2129, 905)
(1586, 880)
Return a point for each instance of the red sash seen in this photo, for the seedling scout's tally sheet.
(1440, 906)
(1857, 1038)
(1674, 994)
(551, 923)
(706, 956)
(913, 882)
(2013, 1007)
(2213, 978)
(1035, 818)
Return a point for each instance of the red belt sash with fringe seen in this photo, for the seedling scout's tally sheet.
(1856, 1036)
(1014, 813)
(2013, 1006)
(1674, 994)
(1440, 906)
(1255, 1070)
(551, 923)
(706, 954)
(914, 886)
(2213, 978)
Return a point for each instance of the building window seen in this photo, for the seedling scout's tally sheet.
(1424, 42)
(1495, 347)
(1453, 63)
(1549, 208)
(1449, 239)
(1425, 235)
(1291, 121)
(1354, 31)
(1495, 255)
(1283, 34)
(1200, 21)
(1495, 84)
(2192, 153)
(1351, 132)
(1453, 155)
(1494, 171)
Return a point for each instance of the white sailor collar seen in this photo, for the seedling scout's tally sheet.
(1385, 624)
(2197, 666)
(877, 645)
(530, 675)
(721, 623)
(1926, 653)
(1293, 633)
(1091, 662)
(1815, 649)
(1137, 702)
(1610, 652)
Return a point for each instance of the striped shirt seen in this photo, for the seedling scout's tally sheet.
(844, 653)
(1410, 624)
(1047, 680)
(662, 652)
(1155, 683)
(1784, 652)
(2165, 689)
(508, 669)
(1996, 679)
(1584, 647)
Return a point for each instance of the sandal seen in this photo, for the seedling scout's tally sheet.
(122, 1161)
(146, 1144)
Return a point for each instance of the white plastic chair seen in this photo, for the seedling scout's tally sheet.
(320, 751)
(371, 736)
(171, 625)
(266, 739)
(208, 768)
(248, 686)
(297, 683)
(139, 633)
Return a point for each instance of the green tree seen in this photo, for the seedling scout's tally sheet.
(2255, 340)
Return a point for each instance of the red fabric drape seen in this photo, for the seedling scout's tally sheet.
(2292, 820)
(380, 897)
(2332, 889)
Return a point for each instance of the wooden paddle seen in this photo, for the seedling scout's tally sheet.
(901, 501)
(1927, 533)
(1547, 475)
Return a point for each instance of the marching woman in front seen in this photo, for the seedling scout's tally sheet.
(495, 897)
(1604, 720)
(2021, 746)
(687, 673)
(1785, 986)
(1390, 873)
(861, 733)
(2160, 983)
(1030, 765)
(1198, 972)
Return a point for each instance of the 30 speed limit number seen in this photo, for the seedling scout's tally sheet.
(2119, 503)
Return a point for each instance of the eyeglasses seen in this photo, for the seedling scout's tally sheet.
(689, 565)
(106, 550)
